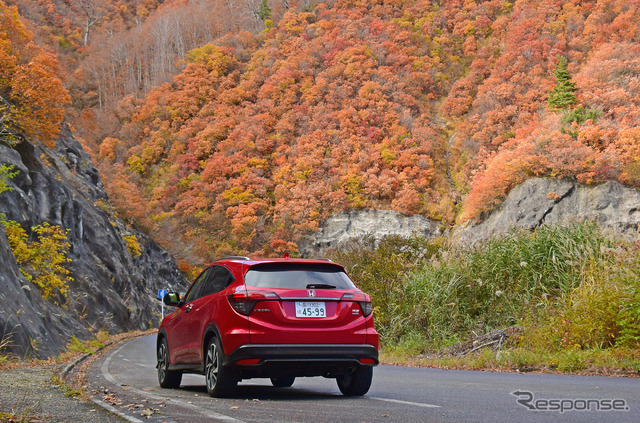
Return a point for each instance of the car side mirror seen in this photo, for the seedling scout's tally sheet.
(172, 299)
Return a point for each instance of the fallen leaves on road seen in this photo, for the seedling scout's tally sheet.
(111, 399)
(148, 412)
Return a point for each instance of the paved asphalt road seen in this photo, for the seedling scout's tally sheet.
(398, 394)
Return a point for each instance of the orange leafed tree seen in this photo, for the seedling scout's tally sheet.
(32, 97)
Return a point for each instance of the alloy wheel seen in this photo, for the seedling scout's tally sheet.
(163, 360)
(212, 370)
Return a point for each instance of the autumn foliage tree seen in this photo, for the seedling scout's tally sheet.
(236, 136)
(43, 261)
(32, 98)
(424, 108)
(505, 137)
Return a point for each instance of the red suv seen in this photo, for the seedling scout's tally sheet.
(269, 318)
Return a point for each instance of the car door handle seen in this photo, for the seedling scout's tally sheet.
(188, 308)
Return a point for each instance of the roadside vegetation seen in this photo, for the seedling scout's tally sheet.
(75, 348)
(5, 342)
(561, 298)
(41, 256)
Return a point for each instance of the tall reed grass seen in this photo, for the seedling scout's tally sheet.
(568, 287)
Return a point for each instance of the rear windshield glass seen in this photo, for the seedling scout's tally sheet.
(298, 277)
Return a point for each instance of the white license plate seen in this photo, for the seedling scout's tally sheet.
(312, 309)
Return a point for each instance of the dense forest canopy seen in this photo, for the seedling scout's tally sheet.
(236, 126)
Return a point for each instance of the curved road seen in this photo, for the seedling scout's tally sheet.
(124, 380)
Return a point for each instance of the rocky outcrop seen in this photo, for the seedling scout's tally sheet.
(556, 201)
(341, 227)
(533, 203)
(111, 289)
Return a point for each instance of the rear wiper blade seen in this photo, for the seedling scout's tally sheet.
(320, 286)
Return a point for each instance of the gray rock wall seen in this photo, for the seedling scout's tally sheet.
(342, 227)
(555, 201)
(535, 202)
(111, 289)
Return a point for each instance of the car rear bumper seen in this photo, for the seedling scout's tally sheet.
(300, 360)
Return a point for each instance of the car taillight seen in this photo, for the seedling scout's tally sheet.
(244, 301)
(361, 298)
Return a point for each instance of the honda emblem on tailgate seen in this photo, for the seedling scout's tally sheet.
(311, 292)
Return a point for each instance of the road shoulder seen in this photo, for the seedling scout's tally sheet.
(30, 394)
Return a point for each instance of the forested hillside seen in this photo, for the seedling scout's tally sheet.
(286, 113)
(69, 267)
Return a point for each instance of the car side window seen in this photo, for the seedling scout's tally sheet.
(218, 279)
(194, 292)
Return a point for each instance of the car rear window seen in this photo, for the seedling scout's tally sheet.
(297, 276)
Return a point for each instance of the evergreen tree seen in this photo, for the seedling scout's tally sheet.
(562, 95)
(264, 11)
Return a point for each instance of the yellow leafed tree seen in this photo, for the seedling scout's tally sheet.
(42, 261)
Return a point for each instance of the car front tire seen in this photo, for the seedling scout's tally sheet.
(220, 381)
(168, 378)
(356, 383)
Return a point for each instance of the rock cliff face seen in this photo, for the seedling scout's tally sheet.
(111, 289)
(536, 202)
(341, 227)
(555, 201)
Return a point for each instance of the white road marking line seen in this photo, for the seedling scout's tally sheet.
(205, 413)
(416, 404)
(133, 362)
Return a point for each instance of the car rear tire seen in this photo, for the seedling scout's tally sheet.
(220, 380)
(168, 378)
(356, 383)
(283, 382)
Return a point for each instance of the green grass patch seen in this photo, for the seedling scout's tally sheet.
(20, 414)
(89, 346)
(574, 292)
